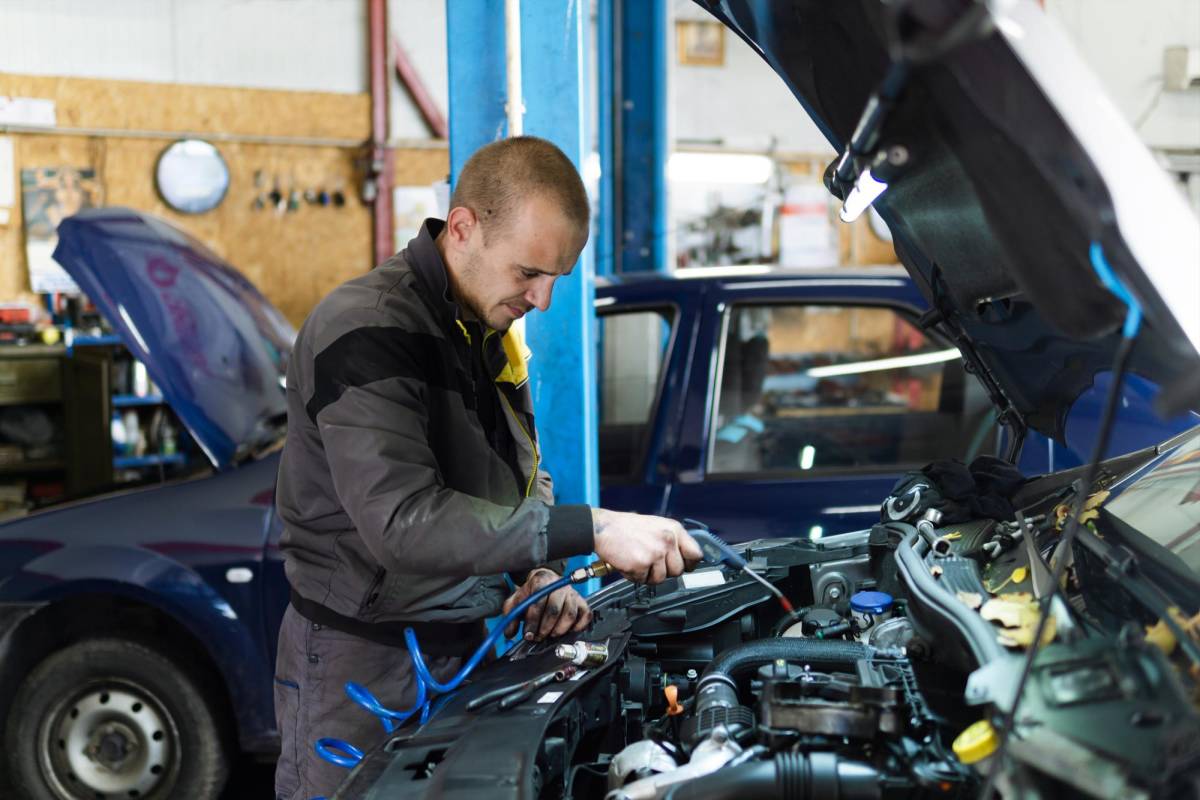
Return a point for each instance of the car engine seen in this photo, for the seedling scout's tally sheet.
(885, 672)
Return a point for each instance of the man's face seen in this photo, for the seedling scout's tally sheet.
(514, 270)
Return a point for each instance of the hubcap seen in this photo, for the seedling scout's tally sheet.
(113, 740)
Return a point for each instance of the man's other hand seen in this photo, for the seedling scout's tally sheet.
(557, 614)
(644, 548)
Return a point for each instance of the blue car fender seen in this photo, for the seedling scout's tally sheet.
(181, 593)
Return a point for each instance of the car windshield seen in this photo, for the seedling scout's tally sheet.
(1164, 503)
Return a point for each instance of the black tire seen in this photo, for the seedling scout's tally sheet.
(113, 718)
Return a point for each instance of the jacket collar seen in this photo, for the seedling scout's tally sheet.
(506, 362)
(422, 254)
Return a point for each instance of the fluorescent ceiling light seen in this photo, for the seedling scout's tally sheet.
(719, 168)
(899, 362)
(865, 190)
(816, 532)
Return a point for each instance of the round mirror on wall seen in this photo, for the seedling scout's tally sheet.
(191, 176)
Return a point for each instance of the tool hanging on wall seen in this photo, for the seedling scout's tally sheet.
(276, 196)
(260, 198)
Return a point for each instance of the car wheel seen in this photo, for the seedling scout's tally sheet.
(111, 718)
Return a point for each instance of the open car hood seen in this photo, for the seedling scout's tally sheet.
(212, 343)
(1016, 166)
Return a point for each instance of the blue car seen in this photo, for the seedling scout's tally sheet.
(138, 630)
(774, 403)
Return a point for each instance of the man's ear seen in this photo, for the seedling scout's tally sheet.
(460, 224)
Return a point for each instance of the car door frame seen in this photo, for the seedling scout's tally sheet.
(895, 293)
(647, 487)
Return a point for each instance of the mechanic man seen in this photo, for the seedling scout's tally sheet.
(410, 486)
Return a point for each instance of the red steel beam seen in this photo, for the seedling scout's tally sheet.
(419, 93)
(380, 169)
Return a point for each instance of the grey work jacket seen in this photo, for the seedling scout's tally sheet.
(396, 506)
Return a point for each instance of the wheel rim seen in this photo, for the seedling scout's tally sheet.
(109, 739)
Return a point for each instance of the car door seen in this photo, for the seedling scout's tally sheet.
(822, 392)
(645, 338)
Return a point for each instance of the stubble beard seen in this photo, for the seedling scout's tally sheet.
(470, 275)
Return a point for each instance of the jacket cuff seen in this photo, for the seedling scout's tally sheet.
(569, 532)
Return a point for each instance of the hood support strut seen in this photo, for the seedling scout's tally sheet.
(940, 319)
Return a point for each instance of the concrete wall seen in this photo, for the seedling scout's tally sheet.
(309, 45)
(316, 45)
(1123, 42)
(715, 105)
(321, 45)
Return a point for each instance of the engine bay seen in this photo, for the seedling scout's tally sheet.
(888, 678)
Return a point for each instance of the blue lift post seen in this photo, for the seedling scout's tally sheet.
(562, 372)
(634, 148)
(603, 245)
(475, 70)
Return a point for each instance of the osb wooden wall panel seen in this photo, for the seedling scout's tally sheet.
(421, 167)
(295, 258)
(136, 105)
(859, 246)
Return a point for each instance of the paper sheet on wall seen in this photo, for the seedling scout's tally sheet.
(38, 112)
(48, 196)
(410, 206)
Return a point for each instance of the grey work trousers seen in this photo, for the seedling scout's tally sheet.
(312, 667)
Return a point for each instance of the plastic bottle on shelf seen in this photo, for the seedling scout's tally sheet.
(167, 443)
(133, 434)
(117, 431)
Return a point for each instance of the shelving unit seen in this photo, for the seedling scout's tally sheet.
(133, 400)
(154, 460)
(120, 400)
(81, 388)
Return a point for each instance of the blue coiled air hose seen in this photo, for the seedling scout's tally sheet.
(344, 754)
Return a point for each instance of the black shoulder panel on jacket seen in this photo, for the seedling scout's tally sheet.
(369, 354)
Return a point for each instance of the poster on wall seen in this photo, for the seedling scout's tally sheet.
(48, 196)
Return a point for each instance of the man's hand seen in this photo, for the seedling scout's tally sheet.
(644, 548)
(562, 611)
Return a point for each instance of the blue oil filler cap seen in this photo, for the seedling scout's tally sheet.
(871, 602)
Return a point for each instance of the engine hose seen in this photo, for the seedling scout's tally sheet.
(820, 653)
(788, 776)
(428, 687)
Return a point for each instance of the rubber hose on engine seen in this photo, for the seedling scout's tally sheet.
(789, 776)
(820, 653)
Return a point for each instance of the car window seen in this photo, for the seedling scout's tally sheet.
(811, 387)
(631, 352)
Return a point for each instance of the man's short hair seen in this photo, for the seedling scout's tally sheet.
(500, 175)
